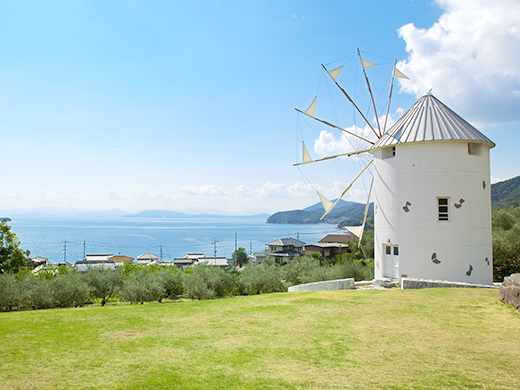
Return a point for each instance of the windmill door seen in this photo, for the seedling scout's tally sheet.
(391, 262)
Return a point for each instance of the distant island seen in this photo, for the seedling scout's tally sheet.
(344, 214)
(177, 214)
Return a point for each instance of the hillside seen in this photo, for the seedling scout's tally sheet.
(350, 214)
(506, 193)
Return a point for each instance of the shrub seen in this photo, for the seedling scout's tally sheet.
(206, 282)
(69, 290)
(104, 283)
(263, 278)
(8, 292)
(171, 280)
(142, 287)
(34, 293)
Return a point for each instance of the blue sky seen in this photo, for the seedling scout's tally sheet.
(187, 105)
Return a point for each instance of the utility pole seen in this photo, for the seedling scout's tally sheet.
(298, 235)
(215, 249)
(84, 249)
(250, 248)
(236, 242)
(65, 251)
(160, 254)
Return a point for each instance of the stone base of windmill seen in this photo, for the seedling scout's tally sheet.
(509, 291)
(407, 283)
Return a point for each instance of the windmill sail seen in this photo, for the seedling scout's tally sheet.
(327, 204)
(398, 73)
(355, 230)
(306, 158)
(366, 64)
(366, 212)
(310, 110)
(334, 72)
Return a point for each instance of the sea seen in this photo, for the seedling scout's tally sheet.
(70, 239)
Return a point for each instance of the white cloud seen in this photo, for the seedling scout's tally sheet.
(273, 190)
(207, 190)
(470, 58)
(242, 190)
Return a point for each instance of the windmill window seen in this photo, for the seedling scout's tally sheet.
(474, 149)
(443, 209)
(396, 251)
(388, 152)
(388, 250)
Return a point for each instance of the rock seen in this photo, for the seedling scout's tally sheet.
(509, 291)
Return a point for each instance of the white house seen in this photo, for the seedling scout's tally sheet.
(432, 200)
(147, 259)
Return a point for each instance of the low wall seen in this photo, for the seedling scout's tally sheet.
(339, 284)
(509, 291)
(407, 283)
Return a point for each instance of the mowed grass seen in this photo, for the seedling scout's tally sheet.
(395, 339)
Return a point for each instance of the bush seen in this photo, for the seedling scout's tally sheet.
(171, 280)
(8, 292)
(206, 282)
(104, 283)
(69, 290)
(34, 293)
(263, 278)
(142, 287)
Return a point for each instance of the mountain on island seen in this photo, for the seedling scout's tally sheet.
(177, 214)
(506, 193)
(344, 214)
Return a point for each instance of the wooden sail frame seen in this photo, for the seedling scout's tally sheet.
(327, 204)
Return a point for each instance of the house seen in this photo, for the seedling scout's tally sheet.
(147, 259)
(192, 259)
(330, 246)
(284, 249)
(121, 259)
(83, 266)
(107, 261)
(39, 260)
(432, 197)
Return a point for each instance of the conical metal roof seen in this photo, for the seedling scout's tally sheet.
(430, 120)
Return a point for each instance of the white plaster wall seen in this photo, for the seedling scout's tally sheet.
(419, 173)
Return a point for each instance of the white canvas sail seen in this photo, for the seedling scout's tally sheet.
(366, 64)
(306, 157)
(398, 73)
(310, 110)
(355, 230)
(327, 204)
(334, 72)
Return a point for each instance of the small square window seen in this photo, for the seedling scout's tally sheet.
(396, 251)
(443, 209)
(388, 250)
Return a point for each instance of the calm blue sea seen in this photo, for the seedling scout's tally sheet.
(132, 237)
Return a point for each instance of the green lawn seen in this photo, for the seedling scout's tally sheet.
(395, 339)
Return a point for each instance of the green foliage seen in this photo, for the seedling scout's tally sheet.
(263, 278)
(142, 287)
(8, 292)
(170, 279)
(104, 283)
(69, 290)
(506, 194)
(12, 258)
(239, 258)
(206, 282)
(34, 293)
(506, 243)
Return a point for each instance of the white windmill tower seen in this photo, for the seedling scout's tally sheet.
(432, 199)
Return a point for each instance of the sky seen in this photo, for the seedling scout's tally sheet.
(190, 105)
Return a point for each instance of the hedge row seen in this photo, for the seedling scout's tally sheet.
(63, 287)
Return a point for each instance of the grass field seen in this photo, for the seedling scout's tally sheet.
(395, 339)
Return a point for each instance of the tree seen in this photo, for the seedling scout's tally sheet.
(105, 283)
(12, 258)
(239, 257)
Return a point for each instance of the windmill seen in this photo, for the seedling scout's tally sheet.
(432, 202)
(377, 130)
